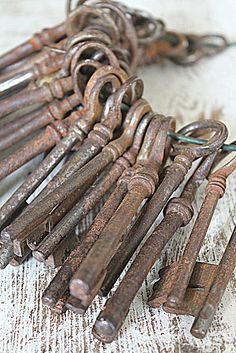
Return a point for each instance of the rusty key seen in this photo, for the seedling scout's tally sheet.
(36, 43)
(195, 295)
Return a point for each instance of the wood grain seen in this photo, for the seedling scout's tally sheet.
(205, 90)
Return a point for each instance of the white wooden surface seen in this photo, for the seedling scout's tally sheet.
(205, 90)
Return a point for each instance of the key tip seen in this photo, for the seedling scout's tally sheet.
(104, 330)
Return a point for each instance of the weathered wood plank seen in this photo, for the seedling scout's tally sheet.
(205, 90)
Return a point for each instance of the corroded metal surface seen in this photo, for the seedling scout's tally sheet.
(196, 292)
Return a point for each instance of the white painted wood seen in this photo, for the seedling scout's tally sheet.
(205, 90)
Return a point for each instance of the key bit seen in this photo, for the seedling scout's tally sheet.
(204, 291)
(196, 292)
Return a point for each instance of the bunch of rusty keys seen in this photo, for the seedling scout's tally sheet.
(175, 296)
(178, 213)
(156, 133)
(50, 231)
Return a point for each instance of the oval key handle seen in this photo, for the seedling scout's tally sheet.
(212, 144)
